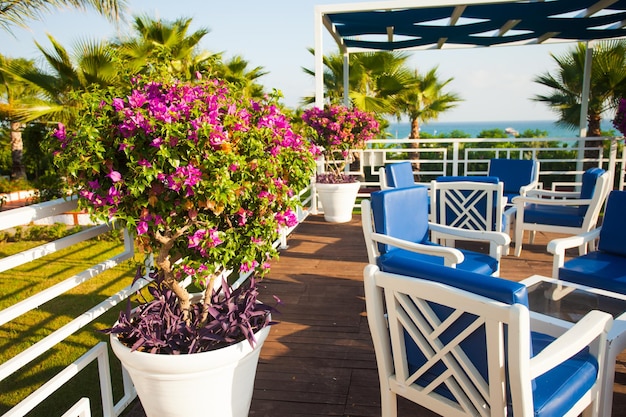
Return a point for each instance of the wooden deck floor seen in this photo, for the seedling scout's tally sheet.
(319, 360)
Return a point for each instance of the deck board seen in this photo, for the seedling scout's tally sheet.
(319, 360)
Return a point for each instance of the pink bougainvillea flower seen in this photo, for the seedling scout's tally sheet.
(118, 104)
(248, 266)
(196, 238)
(142, 227)
(60, 132)
(115, 176)
(144, 163)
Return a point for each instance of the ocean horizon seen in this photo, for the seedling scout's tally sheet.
(473, 128)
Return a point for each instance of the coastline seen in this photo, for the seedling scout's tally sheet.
(474, 128)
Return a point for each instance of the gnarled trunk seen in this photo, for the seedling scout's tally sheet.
(18, 170)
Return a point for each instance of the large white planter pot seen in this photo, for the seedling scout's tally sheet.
(217, 383)
(338, 200)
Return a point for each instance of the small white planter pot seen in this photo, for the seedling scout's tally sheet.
(215, 383)
(338, 200)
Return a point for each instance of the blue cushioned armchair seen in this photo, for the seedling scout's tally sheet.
(397, 235)
(398, 175)
(562, 212)
(462, 344)
(604, 268)
(518, 175)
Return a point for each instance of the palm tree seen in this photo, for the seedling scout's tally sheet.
(15, 95)
(423, 99)
(19, 12)
(374, 79)
(90, 63)
(608, 84)
(378, 77)
(165, 40)
(235, 70)
(333, 78)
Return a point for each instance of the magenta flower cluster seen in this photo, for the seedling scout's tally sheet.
(619, 122)
(341, 127)
(337, 130)
(189, 160)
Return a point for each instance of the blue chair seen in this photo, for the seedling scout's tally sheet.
(518, 175)
(562, 212)
(398, 175)
(461, 344)
(396, 230)
(604, 268)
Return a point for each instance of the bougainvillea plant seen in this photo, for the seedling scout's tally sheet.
(336, 130)
(204, 180)
(619, 122)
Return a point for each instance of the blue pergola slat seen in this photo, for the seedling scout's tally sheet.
(533, 21)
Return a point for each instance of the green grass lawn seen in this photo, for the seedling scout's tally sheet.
(21, 333)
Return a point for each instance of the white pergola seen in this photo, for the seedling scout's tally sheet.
(447, 24)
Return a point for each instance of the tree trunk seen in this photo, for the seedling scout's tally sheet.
(595, 146)
(415, 144)
(18, 171)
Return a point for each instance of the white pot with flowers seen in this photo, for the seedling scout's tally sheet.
(337, 130)
(205, 181)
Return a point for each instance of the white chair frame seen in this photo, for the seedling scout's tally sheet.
(557, 247)
(561, 198)
(397, 304)
(498, 241)
(452, 195)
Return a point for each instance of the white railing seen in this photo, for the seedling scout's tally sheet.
(465, 156)
(26, 215)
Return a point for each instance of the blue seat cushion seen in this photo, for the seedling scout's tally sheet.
(587, 189)
(597, 269)
(399, 175)
(556, 391)
(614, 224)
(514, 173)
(470, 178)
(553, 215)
(404, 262)
(401, 213)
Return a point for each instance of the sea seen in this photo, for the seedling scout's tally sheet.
(401, 130)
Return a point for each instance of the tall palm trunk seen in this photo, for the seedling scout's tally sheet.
(594, 147)
(415, 144)
(18, 171)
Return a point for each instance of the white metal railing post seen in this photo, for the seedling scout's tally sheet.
(612, 161)
(455, 158)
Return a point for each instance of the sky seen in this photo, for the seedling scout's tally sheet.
(496, 84)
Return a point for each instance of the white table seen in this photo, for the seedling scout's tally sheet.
(566, 302)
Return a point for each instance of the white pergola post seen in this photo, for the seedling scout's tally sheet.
(584, 108)
(346, 78)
